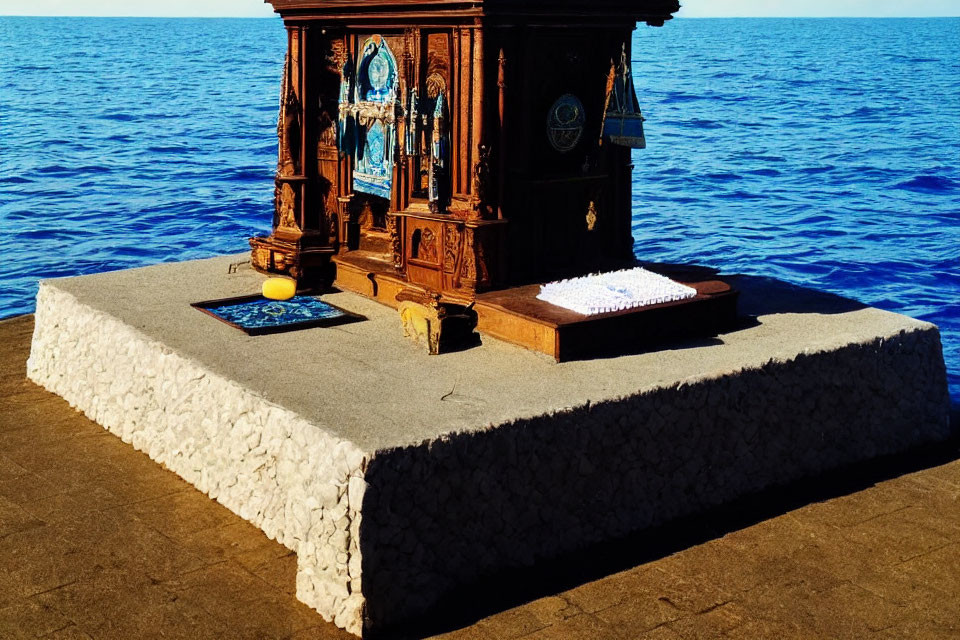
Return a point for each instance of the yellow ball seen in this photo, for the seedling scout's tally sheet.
(279, 288)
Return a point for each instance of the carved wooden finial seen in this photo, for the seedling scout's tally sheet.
(501, 65)
(481, 180)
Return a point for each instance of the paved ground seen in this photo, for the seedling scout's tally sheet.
(97, 541)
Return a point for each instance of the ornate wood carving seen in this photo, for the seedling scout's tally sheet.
(286, 206)
(481, 182)
(288, 126)
(452, 238)
(396, 242)
(483, 269)
(502, 118)
(338, 54)
(591, 216)
(468, 267)
(305, 187)
(435, 84)
(423, 246)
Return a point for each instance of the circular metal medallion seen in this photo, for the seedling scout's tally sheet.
(565, 123)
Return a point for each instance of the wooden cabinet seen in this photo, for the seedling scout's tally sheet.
(452, 147)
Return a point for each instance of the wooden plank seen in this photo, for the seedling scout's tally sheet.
(517, 316)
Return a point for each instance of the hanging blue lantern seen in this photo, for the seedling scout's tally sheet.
(623, 122)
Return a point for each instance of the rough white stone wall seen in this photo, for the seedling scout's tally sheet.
(450, 512)
(299, 484)
(459, 508)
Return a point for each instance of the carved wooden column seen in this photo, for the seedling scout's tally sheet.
(502, 123)
(479, 145)
(300, 244)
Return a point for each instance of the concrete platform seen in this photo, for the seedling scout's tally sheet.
(97, 542)
(397, 476)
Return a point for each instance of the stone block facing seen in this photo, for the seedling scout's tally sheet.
(458, 509)
(389, 513)
(300, 485)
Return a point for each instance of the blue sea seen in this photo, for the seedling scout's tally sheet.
(822, 152)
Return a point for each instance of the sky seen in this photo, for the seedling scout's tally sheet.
(691, 8)
(818, 8)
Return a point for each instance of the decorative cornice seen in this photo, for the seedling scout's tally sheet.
(651, 11)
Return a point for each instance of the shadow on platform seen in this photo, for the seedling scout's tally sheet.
(758, 296)
(495, 594)
(761, 295)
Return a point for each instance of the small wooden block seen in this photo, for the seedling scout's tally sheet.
(516, 315)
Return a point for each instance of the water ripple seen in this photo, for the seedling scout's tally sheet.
(821, 152)
(836, 166)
